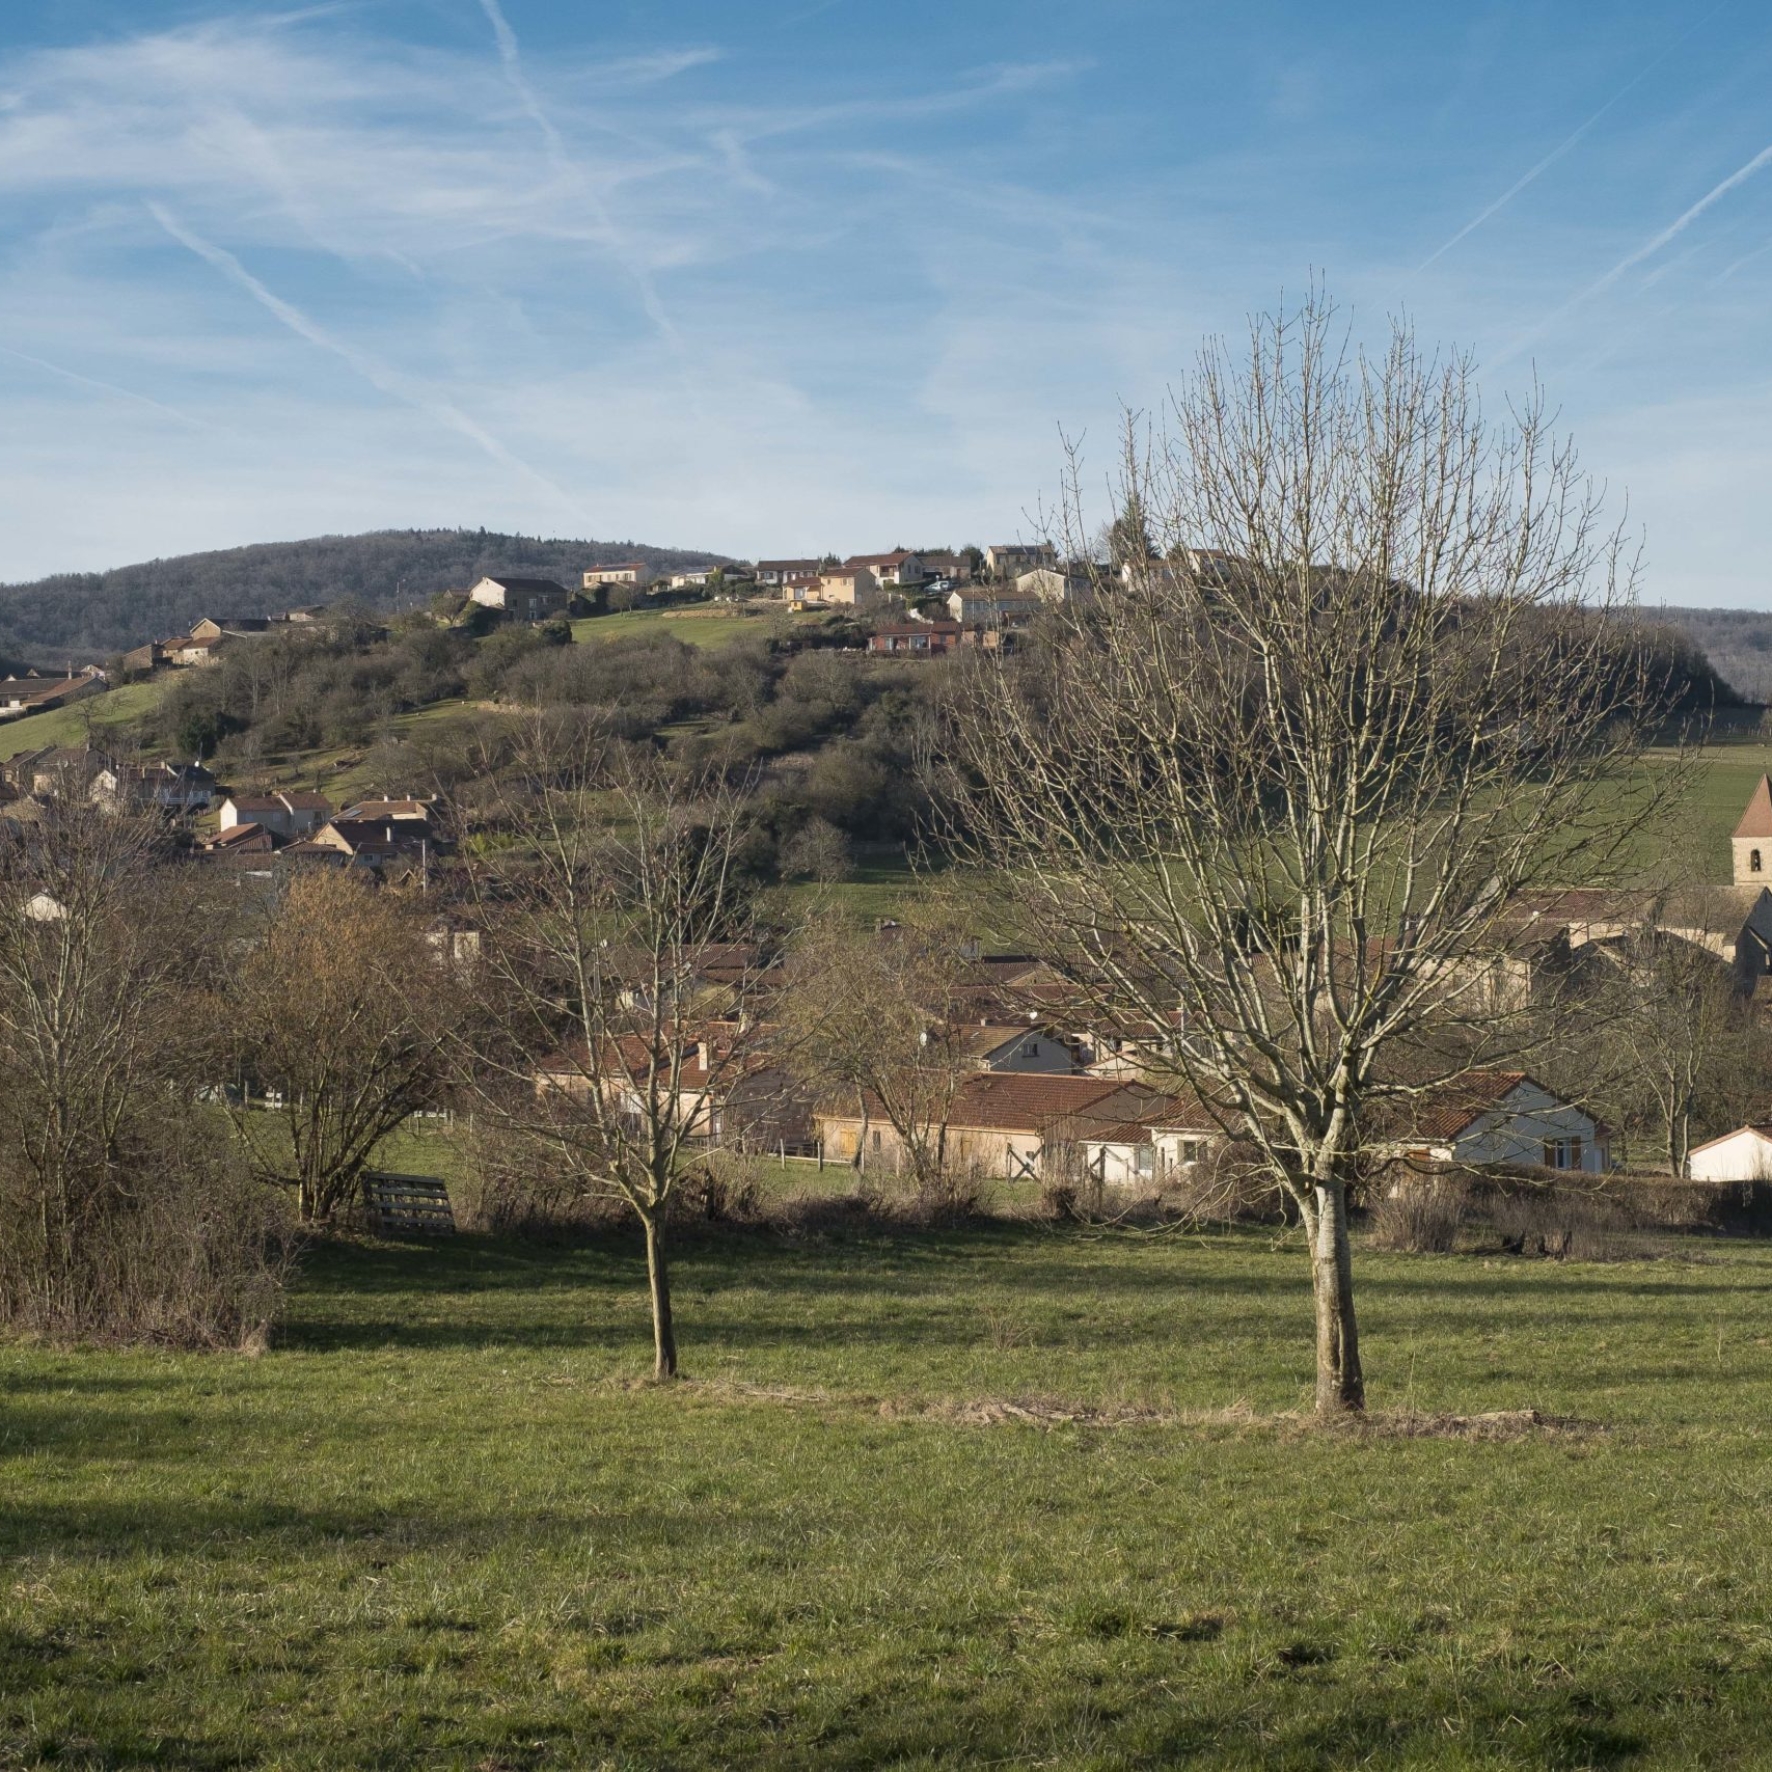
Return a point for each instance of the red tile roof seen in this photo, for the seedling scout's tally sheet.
(1448, 1111)
(1756, 821)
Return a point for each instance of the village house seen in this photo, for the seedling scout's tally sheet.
(1055, 584)
(950, 569)
(635, 573)
(1742, 1155)
(849, 586)
(797, 588)
(65, 772)
(1004, 1123)
(1168, 1140)
(775, 573)
(32, 694)
(1031, 1050)
(160, 787)
(241, 840)
(915, 639)
(390, 846)
(289, 815)
(1006, 559)
(409, 811)
(522, 599)
(185, 650)
(1489, 1117)
(898, 569)
(980, 609)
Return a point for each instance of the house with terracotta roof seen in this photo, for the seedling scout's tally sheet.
(853, 586)
(1168, 1139)
(775, 573)
(1488, 1117)
(32, 694)
(898, 569)
(915, 639)
(1008, 1123)
(290, 815)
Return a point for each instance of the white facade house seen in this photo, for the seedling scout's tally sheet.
(1742, 1155)
(1056, 584)
(1001, 1047)
(1492, 1117)
(525, 599)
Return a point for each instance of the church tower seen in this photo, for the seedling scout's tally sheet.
(1753, 838)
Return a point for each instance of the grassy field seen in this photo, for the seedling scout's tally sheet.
(440, 1524)
(700, 624)
(80, 720)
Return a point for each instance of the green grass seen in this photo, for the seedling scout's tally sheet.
(84, 719)
(713, 624)
(438, 1524)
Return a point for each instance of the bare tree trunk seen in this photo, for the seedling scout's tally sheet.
(664, 1333)
(1341, 1385)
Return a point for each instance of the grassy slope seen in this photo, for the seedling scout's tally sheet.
(700, 624)
(72, 724)
(438, 1525)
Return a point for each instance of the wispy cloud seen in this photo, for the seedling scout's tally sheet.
(1631, 260)
(1569, 141)
(379, 376)
(567, 169)
(107, 387)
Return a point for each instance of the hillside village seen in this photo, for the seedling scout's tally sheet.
(1034, 1088)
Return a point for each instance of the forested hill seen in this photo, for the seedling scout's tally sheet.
(89, 614)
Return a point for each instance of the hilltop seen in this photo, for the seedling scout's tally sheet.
(87, 615)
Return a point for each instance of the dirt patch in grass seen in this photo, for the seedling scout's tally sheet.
(1492, 1424)
(1048, 1413)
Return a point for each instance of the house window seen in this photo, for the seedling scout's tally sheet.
(1192, 1149)
(1146, 1158)
(1562, 1153)
(1753, 862)
(876, 1141)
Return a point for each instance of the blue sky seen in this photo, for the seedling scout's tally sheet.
(774, 278)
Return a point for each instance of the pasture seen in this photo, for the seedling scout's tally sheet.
(1009, 1496)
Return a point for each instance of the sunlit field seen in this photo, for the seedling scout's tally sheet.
(1012, 1496)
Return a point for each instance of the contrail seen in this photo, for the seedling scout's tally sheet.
(1564, 146)
(566, 168)
(378, 375)
(1649, 247)
(106, 387)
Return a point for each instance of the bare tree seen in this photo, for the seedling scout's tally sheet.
(1288, 778)
(878, 1019)
(1675, 1053)
(339, 1016)
(121, 1209)
(620, 971)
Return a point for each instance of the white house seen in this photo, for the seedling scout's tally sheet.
(981, 608)
(1057, 584)
(1004, 1047)
(285, 815)
(525, 599)
(1488, 1117)
(1742, 1155)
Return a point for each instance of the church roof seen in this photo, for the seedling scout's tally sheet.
(1756, 821)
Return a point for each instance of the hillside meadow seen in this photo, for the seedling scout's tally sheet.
(1011, 1496)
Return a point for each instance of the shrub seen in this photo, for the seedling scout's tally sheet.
(1420, 1213)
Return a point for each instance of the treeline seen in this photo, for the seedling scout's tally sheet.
(1737, 643)
(85, 615)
